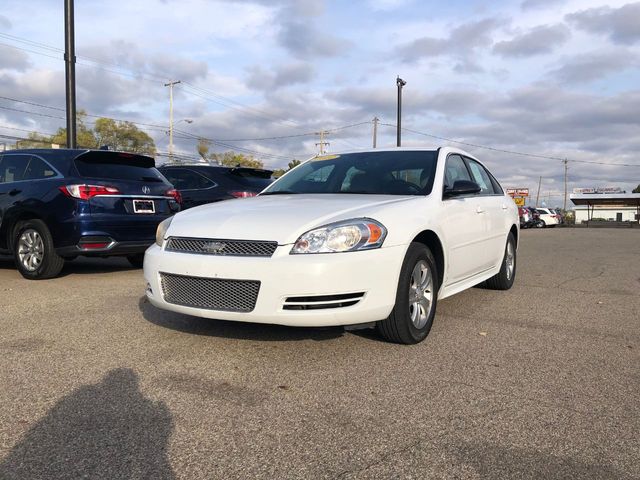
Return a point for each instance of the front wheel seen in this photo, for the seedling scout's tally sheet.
(504, 279)
(33, 251)
(541, 224)
(416, 297)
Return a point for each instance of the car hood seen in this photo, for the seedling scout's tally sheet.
(281, 218)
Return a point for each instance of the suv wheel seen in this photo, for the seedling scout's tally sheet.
(416, 298)
(34, 252)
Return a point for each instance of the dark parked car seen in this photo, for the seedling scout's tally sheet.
(200, 184)
(58, 204)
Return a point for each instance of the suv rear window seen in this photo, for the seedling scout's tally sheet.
(117, 166)
(254, 178)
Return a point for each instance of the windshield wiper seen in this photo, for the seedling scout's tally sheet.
(279, 192)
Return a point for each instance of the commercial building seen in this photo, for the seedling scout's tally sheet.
(613, 207)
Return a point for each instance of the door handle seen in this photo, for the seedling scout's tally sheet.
(13, 192)
(479, 210)
(504, 207)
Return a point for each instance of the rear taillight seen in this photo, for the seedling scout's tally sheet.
(85, 192)
(175, 194)
(242, 194)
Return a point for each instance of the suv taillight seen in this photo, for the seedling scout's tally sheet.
(85, 192)
(242, 194)
(175, 194)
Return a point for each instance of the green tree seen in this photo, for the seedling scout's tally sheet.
(234, 159)
(34, 140)
(123, 136)
(637, 189)
(228, 159)
(85, 138)
(293, 163)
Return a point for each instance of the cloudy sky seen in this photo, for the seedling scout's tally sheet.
(555, 78)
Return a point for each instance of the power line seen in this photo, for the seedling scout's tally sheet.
(512, 152)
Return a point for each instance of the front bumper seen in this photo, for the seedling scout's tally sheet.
(374, 272)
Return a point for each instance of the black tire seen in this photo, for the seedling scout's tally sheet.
(136, 259)
(50, 263)
(398, 326)
(541, 224)
(504, 279)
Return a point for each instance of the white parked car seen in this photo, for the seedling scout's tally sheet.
(548, 217)
(376, 236)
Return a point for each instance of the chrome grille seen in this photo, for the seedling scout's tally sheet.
(213, 246)
(210, 293)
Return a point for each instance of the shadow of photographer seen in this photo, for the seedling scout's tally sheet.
(105, 430)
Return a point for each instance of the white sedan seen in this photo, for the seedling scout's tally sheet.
(376, 236)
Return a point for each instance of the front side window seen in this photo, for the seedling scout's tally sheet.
(481, 177)
(455, 169)
(370, 173)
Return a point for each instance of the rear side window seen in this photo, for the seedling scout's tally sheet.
(184, 179)
(12, 168)
(117, 166)
(38, 169)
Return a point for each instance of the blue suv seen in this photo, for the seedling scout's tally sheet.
(58, 204)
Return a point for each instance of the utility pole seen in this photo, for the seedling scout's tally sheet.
(170, 85)
(566, 169)
(400, 83)
(322, 143)
(375, 131)
(538, 194)
(70, 72)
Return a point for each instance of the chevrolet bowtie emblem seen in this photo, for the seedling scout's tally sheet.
(214, 247)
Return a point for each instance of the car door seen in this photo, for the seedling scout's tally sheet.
(464, 226)
(196, 189)
(12, 185)
(495, 212)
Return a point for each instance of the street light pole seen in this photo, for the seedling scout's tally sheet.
(170, 85)
(70, 72)
(400, 83)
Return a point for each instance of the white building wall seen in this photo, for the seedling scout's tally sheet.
(608, 213)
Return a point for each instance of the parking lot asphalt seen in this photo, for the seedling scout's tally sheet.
(542, 381)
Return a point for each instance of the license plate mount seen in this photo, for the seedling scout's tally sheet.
(144, 206)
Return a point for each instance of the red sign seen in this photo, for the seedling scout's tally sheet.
(518, 192)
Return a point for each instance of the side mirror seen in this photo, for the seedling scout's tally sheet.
(462, 187)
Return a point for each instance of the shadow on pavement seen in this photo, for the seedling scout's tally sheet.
(107, 430)
(234, 330)
(498, 462)
(81, 265)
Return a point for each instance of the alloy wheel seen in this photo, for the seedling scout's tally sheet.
(420, 294)
(30, 249)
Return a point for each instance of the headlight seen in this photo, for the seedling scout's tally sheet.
(345, 236)
(161, 231)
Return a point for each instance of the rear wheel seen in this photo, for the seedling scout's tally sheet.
(416, 297)
(34, 252)
(504, 279)
(136, 259)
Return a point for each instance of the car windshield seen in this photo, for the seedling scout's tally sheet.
(374, 173)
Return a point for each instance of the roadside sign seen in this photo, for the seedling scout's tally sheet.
(518, 192)
(519, 201)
